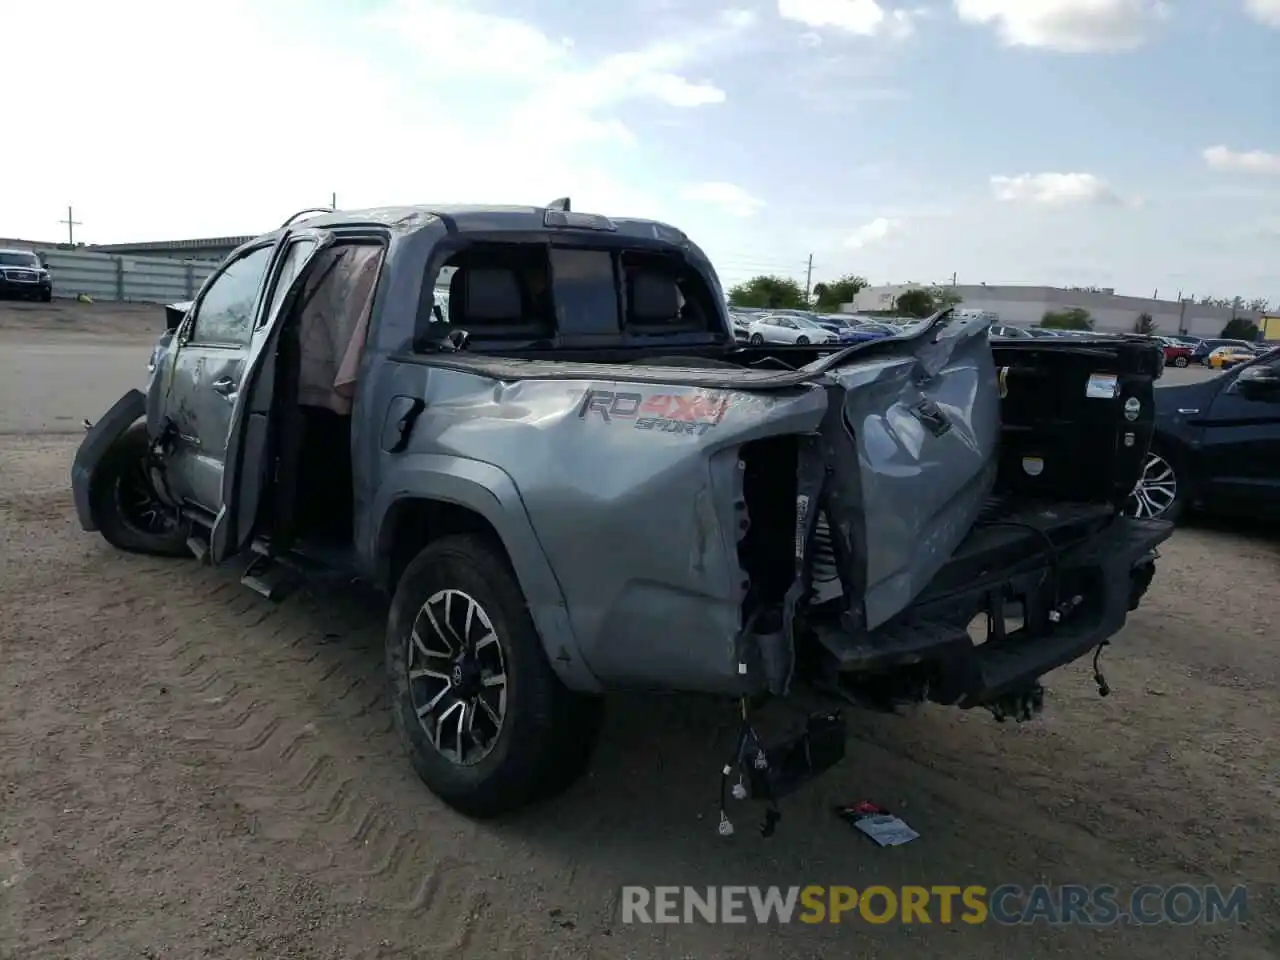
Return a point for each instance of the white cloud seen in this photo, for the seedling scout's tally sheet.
(1242, 161)
(1053, 189)
(727, 197)
(1264, 11)
(678, 92)
(1069, 26)
(872, 233)
(864, 18)
(464, 105)
(561, 92)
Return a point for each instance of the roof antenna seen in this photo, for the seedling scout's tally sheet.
(560, 203)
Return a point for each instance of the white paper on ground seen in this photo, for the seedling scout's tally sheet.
(886, 830)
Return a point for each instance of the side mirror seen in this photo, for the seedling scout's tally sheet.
(1259, 383)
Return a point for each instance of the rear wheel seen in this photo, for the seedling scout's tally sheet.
(488, 725)
(1180, 361)
(124, 503)
(1161, 492)
(802, 341)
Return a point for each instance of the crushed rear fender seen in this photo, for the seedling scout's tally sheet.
(123, 414)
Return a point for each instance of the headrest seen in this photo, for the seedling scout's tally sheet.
(485, 295)
(654, 298)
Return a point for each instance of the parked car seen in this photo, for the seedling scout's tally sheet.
(1216, 445)
(565, 491)
(740, 323)
(1176, 353)
(1224, 358)
(23, 274)
(851, 330)
(782, 328)
(1009, 332)
(1200, 354)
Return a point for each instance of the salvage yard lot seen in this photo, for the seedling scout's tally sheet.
(189, 771)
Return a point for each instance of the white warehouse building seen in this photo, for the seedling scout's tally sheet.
(1026, 306)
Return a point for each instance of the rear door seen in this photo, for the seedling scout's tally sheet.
(1241, 447)
(247, 455)
(204, 377)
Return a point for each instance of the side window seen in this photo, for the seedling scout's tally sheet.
(298, 251)
(225, 313)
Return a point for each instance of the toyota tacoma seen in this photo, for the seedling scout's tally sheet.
(575, 481)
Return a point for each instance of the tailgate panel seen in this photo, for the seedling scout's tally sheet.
(926, 431)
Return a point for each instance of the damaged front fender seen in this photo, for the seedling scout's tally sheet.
(123, 414)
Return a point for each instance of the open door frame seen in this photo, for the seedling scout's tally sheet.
(246, 470)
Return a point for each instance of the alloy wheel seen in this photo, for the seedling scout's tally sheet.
(139, 506)
(457, 676)
(1156, 491)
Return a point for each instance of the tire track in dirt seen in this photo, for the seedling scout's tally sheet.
(298, 789)
(281, 709)
(302, 791)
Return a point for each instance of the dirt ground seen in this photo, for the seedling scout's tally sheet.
(189, 771)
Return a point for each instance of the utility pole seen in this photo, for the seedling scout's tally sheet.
(71, 223)
(808, 277)
(333, 201)
(953, 278)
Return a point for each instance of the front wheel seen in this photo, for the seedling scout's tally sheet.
(124, 503)
(1180, 362)
(757, 340)
(1161, 492)
(488, 725)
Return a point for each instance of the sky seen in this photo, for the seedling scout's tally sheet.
(1132, 144)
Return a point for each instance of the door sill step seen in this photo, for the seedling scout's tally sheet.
(269, 579)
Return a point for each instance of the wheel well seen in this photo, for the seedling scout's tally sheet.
(411, 524)
(1181, 459)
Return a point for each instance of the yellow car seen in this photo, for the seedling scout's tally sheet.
(1226, 357)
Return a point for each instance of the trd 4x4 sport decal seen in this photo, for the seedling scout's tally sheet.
(693, 413)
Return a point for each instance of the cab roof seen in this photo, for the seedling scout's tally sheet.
(476, 218)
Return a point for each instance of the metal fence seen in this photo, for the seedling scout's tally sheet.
(102, 276)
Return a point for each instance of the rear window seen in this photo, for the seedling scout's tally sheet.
(538, 296)
(585, 291)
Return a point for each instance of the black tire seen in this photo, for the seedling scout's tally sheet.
(46, 297)
(547, 732)
(802, 341)
(757, 340)
(118, 501)
(1180, 361)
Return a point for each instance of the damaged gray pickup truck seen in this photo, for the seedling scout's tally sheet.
(575, 481)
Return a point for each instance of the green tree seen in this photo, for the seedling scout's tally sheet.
(1144, 324)
(1073, 318)
(829, 296)
(770, 293)
(1238, 328)
(916, 302)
